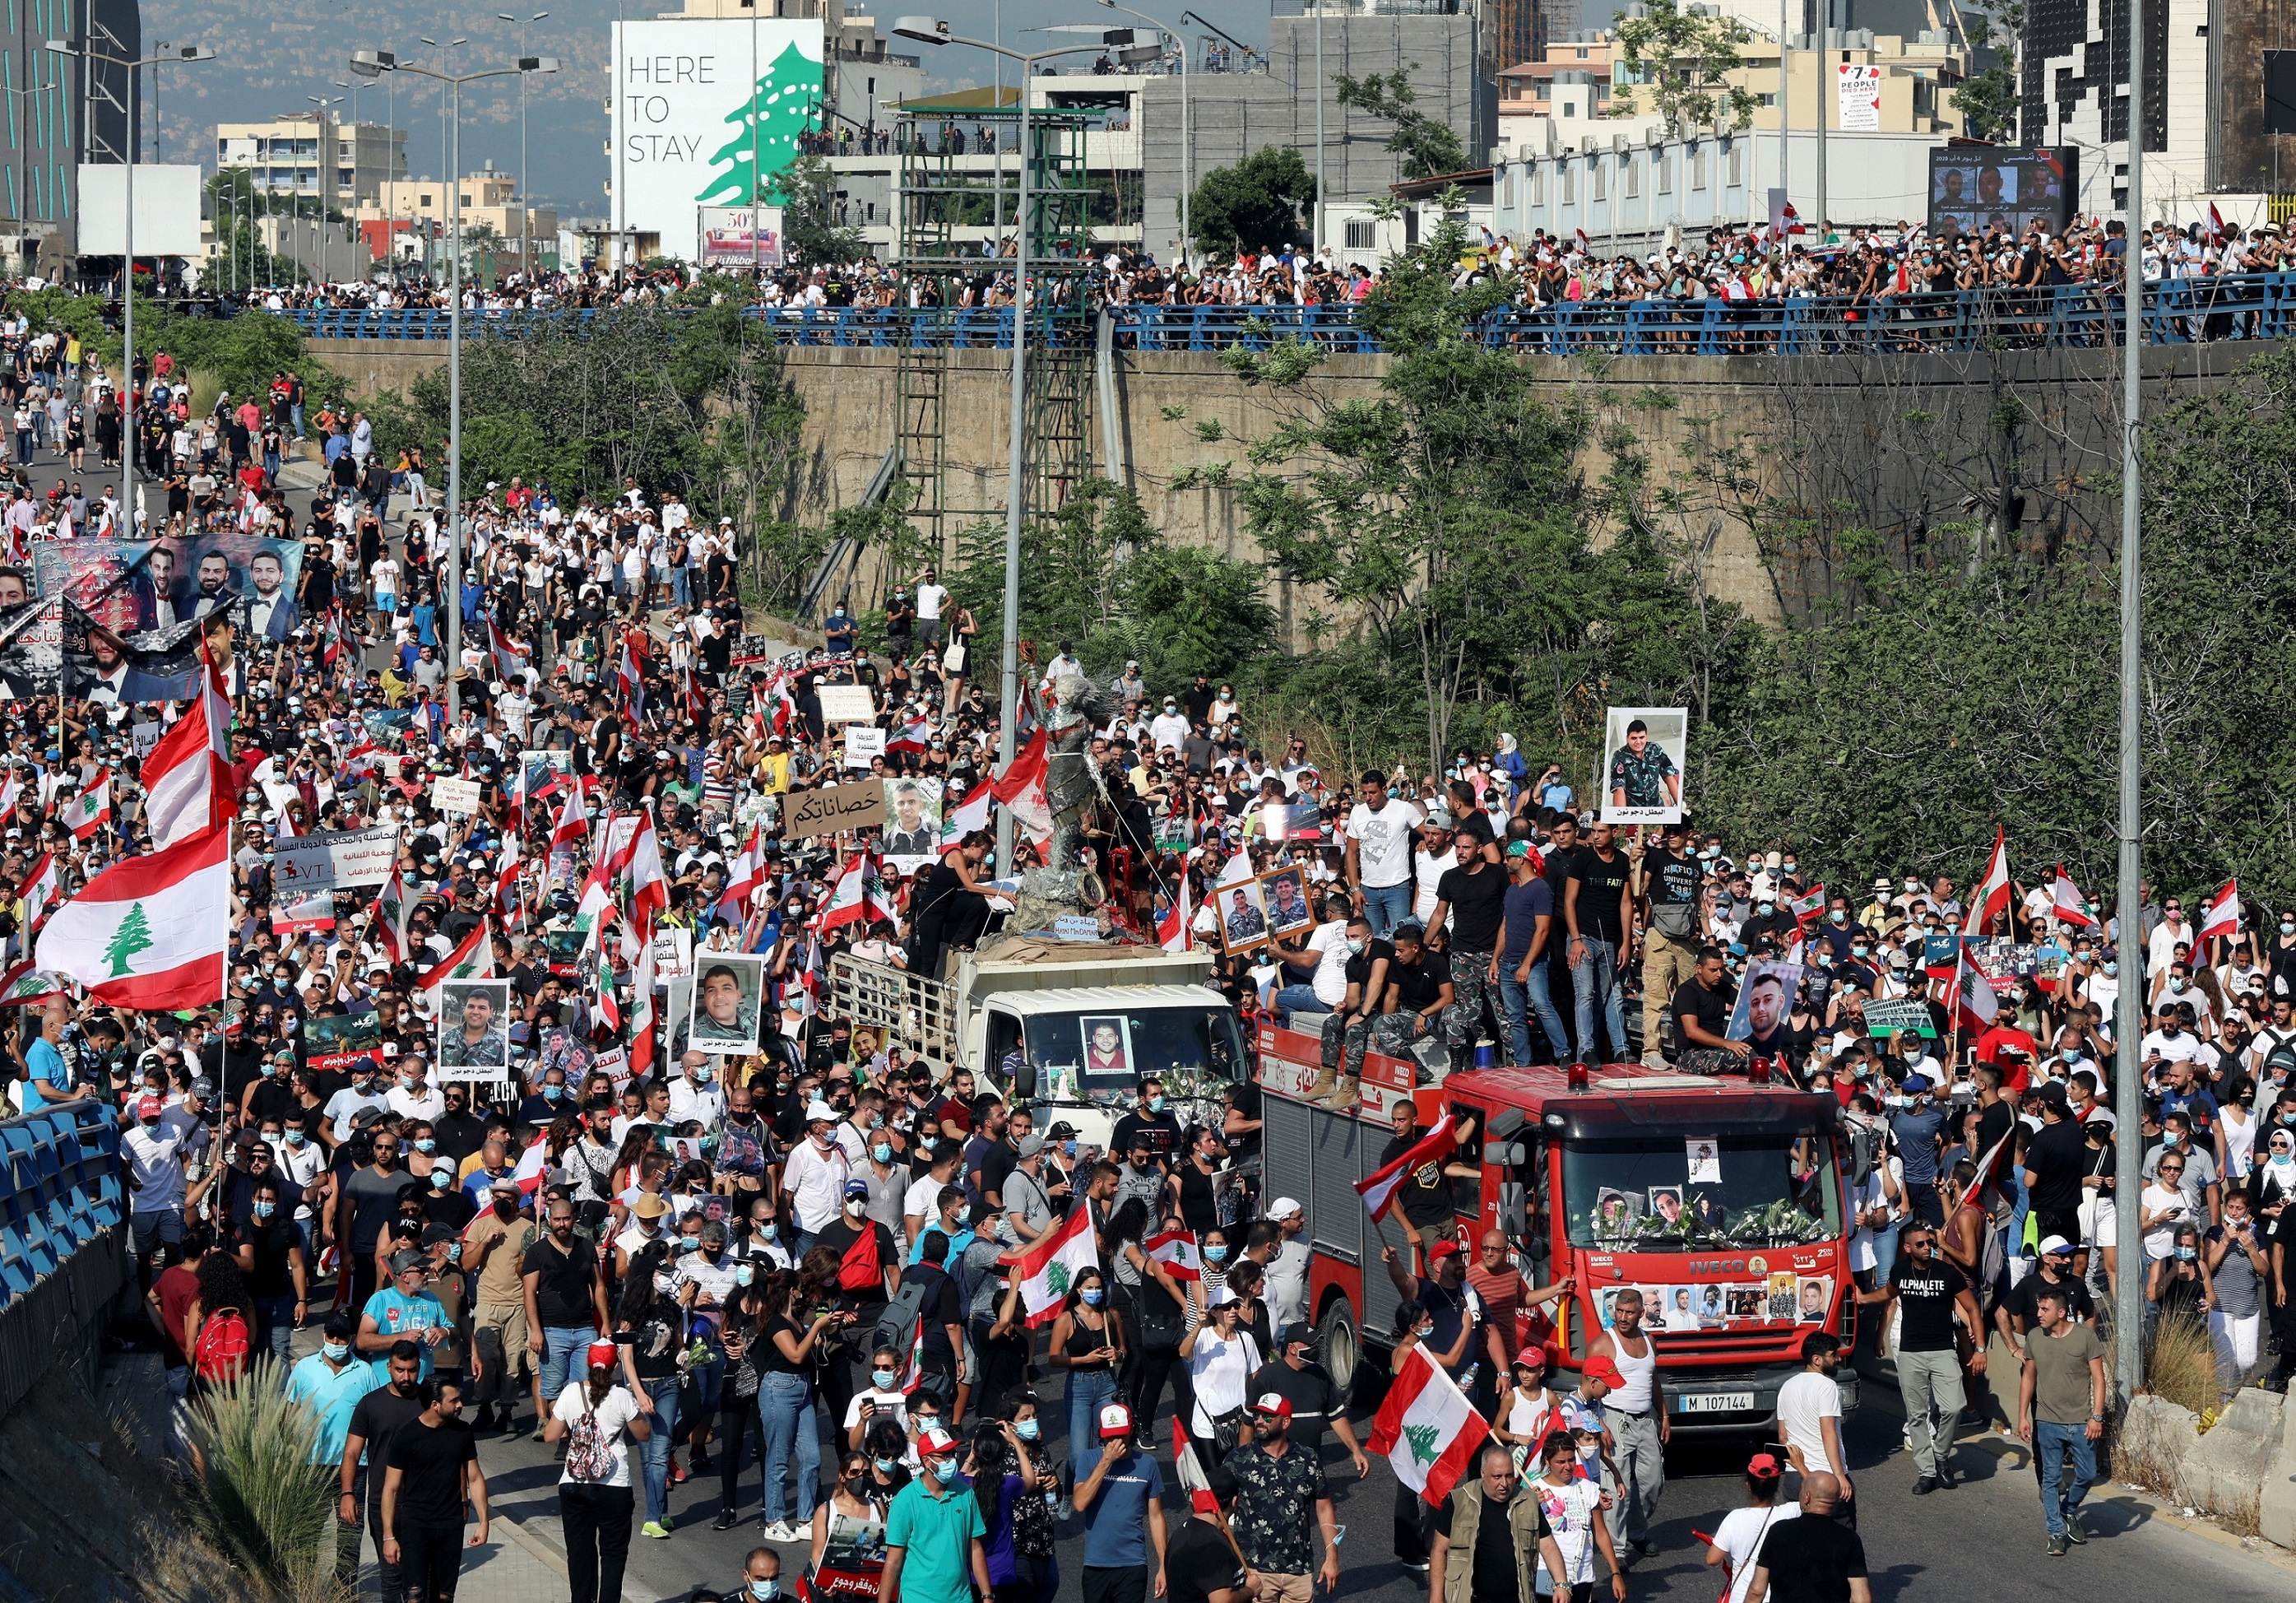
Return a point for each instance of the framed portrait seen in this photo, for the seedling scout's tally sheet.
(728, 998)
(1107, 1050)
(1665, 1204)
(1284, 891)
(473, 1030)
(1766, 996)
(1814, 1299)
(1241, 911)
(911, 831)
(1644, 751)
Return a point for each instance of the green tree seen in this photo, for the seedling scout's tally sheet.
(810, 231)
(1422, 146)
(1989, 99)
(132, 936)
(1263, 200)
(785, 106)
(1685, 57)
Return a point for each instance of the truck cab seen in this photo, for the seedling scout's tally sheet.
(1720, 1200)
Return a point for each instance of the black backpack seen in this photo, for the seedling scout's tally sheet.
(897, 1326)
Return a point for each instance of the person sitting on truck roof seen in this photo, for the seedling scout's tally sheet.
(1348, 1031)
(1419, 991)
(1701, 1012)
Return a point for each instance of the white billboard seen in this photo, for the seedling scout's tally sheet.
(707, 113)
(739, 235)
(167, 209)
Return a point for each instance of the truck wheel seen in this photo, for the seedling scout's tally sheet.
(1337, 1347)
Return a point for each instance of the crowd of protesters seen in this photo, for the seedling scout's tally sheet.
(792, 1272)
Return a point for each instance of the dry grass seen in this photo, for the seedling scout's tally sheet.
(2180, 1366)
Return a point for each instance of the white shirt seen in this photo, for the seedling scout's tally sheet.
(1571, 1510)
(1804, 1404)
(1168, 730)
(705, 1102)
(2184, 1047)
(815, 1182)
(426, 1103)
(1740, 1534)
(613, 1417)
(1383, 838)
(1430, 869)
(930, 599)
(1330, 942)
(2160, 950)
(923, 1200)
(1221, 1371)
(896, 1403)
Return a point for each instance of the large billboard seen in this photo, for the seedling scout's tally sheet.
(167, 209)
(707, 113)
(1974, 188)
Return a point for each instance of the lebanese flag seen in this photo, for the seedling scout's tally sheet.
(913, 1375)
(1378, 1189)
(38, 891)
(2066, 902)
(573, 824)
(187, 778)
(862, 1265)
(915, 734)
(631, 681)
(784, 705)
(649, 885)
(386, 922)
(28, 982)
(507, 880)
(1172, 929)
(91, 809)
(877, 900)
(1988, 1168)
(1807, 907)
(2220, 916)
(644, 1023)
(1178, 1252)
(1969, 997)
(605, 1006)
(2216, 229)
(1188, 1468)
(748, 873)
(968, 817)
(510, 662)
(1991, 896)
(1049, 1268)
(849, 897)
(533, 1166)
(474, 959)
(148, 934)
(1427, 1428)
(1020, 787)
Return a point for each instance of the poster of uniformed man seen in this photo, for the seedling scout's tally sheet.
(1643, 751)
(473, 1029)
(725, 1002)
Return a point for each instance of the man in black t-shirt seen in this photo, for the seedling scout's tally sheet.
(1418, 992)
(1506, 1527)
(1346, 1030)
(1702, 1006)
(1928, 1291)
(1816, 1558)
(1200, 1565)
(1424, 1200)
(432, 1466)
(2056, 1158)
(1473, 898)
(375, 1421)
(1316, 1402)
(1600, 914)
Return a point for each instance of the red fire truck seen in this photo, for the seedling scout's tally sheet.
(1721, 1200)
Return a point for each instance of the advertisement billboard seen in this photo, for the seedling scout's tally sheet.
(738, 235)
(167, 209)
(707, 113)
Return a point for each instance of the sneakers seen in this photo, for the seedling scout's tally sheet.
(676, 1471)
(1924, 1485)
(656, 1528)
(782, 1529)
(2076, 1533)
(2057, 1547)
(724, 1522)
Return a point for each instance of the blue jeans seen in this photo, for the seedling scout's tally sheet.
(654, 1452)
(1295, 999)
(709, 1383)
(2059, 1496)
(1522, 999)
(1597, 975)
(1088, 1389)
(1386, 906)
(562, 1346)
(785, 1408)
(275, 1320)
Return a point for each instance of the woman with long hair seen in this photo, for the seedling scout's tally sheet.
(1088, 1341)
(1160, 1322)
(649, 1330)
(223, 1296)
(1737, 1540)
(849, 1524)
(738, 1418)
(1010, 1483)
(794, 1317)
(953, 908)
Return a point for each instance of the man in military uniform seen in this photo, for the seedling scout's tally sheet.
(724, 1019)
(1642, 774)
(1246, 921)
(478, 1044)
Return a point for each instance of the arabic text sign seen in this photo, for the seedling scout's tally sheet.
(336, 858)
(818, 812)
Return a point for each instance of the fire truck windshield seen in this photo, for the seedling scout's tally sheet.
(1750, 1191)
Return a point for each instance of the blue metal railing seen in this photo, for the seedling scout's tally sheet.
(2182, 311)
(63, 1189)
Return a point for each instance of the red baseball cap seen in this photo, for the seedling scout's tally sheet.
(935, 1443)
(1274, 1404)
(1446, 1248)
(1115, 1421)
(603, 1355)
(148, 1107)
(1765, 1467)
(1603, 1369)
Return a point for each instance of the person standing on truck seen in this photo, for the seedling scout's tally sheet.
(1380, 832)
(1529, 933)
(1150, 1118)
(1470, 900)
(1669, 880)
(1636, 1412)
(1599, 912)
(1346, 1032)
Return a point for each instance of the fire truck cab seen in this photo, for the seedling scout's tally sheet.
(1721, 1200)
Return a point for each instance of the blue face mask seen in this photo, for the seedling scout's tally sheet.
(1092, 1295)
(270, 1069)
(944, 1469)
(743, 1274)
(1155, 1105)
(336, 1352)
(264, 1210)
(886, 1465)
(883, 1152)
(552, 1093)
(440, 1180)
(1068, 1149)
(426, 1145)
(884, 1378)
(1025, 1429)
(1216, 1253)
(297, 1136)
(766, 1590)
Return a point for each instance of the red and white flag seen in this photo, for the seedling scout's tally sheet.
(2066, 902)
(148, 934)
(2220, 914)
(533, 1166)
(1808, 906)
(968, 817)
(649, 886)
(1172, 932)
(1990, 896)
(1178, 1252)
(473, 959)
(37, 893)
(1378, 1189)
(1022, 788)
(1050, 1267)
(91, 809)
(188, 778)
(1427, 1428)
(1969, 997)
(747, 873)
(848, 895)
(573, 820)
(915, 734)
(1188, 1468)
(28, 982)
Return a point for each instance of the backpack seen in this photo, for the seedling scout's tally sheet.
(588, 1456)
(220, 1352)
(897, 1326)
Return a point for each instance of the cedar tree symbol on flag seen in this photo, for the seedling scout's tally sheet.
(148, 932)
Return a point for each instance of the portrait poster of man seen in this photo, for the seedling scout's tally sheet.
(1643, 752)
(1288, 909)
(473, 1029)
(1764, 1000)
(131, 587)
(911, 828)
(726, 1002)
(1106, 1054)
(1242, 911)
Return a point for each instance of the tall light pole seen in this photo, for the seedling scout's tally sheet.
(446, 53)
(2128, 1178)
(525, 210)
(925, 30)
(352, 86)
(1187, 141)
(373, 64)
(323, 102)
(89, 56)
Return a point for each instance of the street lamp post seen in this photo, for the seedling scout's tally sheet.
(323, 102)
(89, 56)
(373, 64)
(925, 30)
(1187, 139)
(525, 210)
